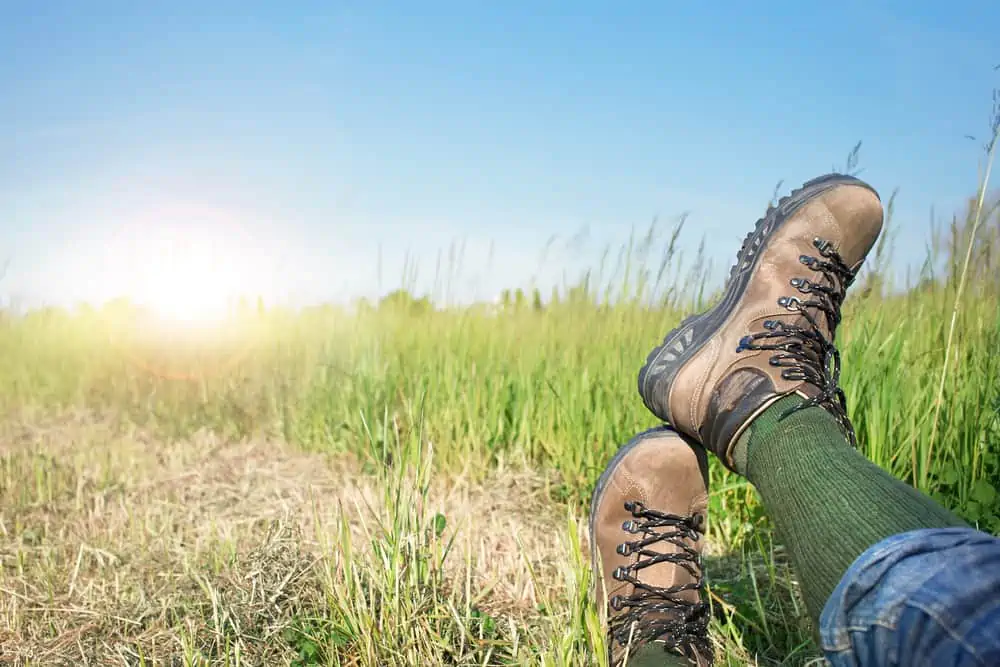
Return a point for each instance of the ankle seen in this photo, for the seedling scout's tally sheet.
(777, 419)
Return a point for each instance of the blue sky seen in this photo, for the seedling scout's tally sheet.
(300, 149)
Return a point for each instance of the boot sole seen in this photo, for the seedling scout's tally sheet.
(683, 343)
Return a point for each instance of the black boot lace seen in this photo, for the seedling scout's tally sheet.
(655, 613)
(805, 352)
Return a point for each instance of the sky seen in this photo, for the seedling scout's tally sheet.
(313, 151)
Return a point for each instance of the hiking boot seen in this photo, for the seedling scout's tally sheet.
(772, 334)
(647, 527)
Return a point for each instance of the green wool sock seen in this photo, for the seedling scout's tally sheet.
(828, 502)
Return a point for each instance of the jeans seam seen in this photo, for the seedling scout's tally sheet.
(948, 629)
(869, 626)
(844, 632)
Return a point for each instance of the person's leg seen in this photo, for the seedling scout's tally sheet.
(751, 380)
(889, 576)
(647, 522)
(828, 502)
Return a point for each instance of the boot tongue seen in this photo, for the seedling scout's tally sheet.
(667, 574)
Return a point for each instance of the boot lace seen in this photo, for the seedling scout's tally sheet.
(655, 613)
(804, 352)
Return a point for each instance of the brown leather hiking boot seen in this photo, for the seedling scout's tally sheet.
(772, 334)
(647, 526)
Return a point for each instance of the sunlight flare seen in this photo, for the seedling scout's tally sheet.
(189, 268)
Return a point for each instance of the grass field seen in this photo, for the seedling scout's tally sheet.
(405, 485)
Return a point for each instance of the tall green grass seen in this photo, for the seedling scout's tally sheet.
(549, 385)
(545, 383)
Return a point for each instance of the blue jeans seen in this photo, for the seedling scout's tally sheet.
(926, 597)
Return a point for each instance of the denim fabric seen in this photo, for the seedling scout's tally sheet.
(926, 597)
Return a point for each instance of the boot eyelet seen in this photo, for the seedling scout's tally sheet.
(618, 574)
(801, 284)
(789, 303)
(823, 246)
(616, 603)
(624, 549)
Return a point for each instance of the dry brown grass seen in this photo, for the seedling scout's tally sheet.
(119, 549)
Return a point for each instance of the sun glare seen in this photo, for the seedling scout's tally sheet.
(183, 298)
(190, 290)
(187, 274)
